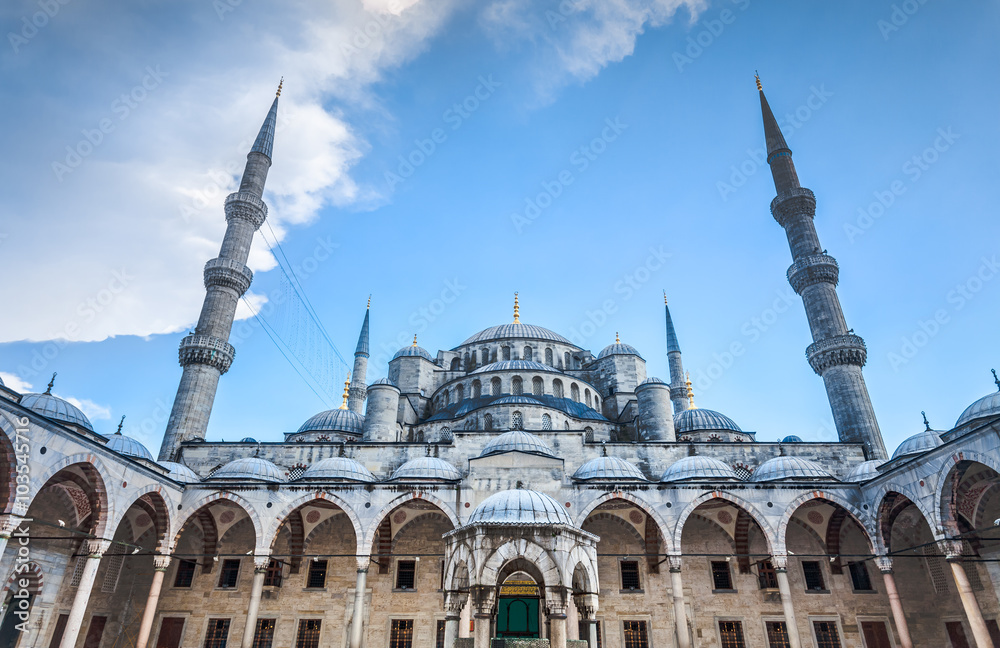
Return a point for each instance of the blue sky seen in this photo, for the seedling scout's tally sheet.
(673, 197)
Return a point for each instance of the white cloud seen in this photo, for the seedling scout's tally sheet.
(93, 411)
(14, 382)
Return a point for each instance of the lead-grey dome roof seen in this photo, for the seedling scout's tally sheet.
(698, 419)
(514, 331)
(519, 507)
(413, 350)
(383, 381)
(426, 468)
(339, 468)
(780, 468)
(608, 469)
(918, 443)
(252, 468)
(514, 365)
(128, 446)
(618, 348)
(56, 409)
(335, 420)
(698, 468)
(653, 380)
(181, 473)
(517, 441)
(985, 407)
(864, 471)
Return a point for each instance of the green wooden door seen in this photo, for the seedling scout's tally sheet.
(517, 617)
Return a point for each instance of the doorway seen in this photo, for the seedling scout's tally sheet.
(518, 608)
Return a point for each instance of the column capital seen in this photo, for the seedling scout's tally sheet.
(586, 605)
(260, 564)
(95, 548)
(674, 562)
(952, 549)
(160, 562)
(884, 564)
(780, 562)
(454, 601)
(8, 523)
(363, 562)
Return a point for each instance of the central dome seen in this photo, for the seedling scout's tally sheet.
(516, 330)
(520, 507)
(697, 419)
(337, 420)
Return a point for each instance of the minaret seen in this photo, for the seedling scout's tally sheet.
(358, 386)
(206, 354)
(678, 394)
(836, 353)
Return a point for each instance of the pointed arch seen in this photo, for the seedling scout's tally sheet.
(292, 505)
(155, 501)
(739, 502)
(646, 507)
(864, 521)
(102, 504)
(520, 549)
(587, 561)
(460, 566)
(248, 508)
(950, 476)
(367, 540)
(888, 507)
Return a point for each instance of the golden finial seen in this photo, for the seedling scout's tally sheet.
(280, 83)
(664, 297)
(414, 339)
(691, 404)
(369, 302)
(617, 339)
(517, 311)
(347, 391)
(757, 77)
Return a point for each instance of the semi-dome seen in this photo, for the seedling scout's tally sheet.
(128, 446)
(335, 420)
(985, 407)
(698, 419)
(516, 330)
(413, 351)
(519, 507)
(653, 380)
(918, 443)
(517, 441)
(180, 473)
(780, 468)
(864, 471)
(56, 409)
(339, 468)
(517, 400)
(608, 469)
(426, 468)
(252, 468)
(514, 365)
(698, 468)
(618, 348)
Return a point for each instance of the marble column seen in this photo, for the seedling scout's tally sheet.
(160, 564)
(253, 607)
(953, 554)
(781, 569)
(357, 619)
(586, 609)
(556, 604)
(94, 550)
(898, 616)
(8, 528)
(680, 611)
(483, 601)
(453, 603)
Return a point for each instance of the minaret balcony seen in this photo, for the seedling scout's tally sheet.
(246, 206)
(793, 203)
(206, 350)
(813, 269)
(837, 351)
(228, 273)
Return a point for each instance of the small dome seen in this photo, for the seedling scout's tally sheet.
(520, 507)
(336, 420)
(248, 440)
(608, 469)
(426, 468)
(985, 407)
(781, 468)
(517, 441)
(864, 471)
(698, 468)
(698, 419)
(652, 380)
(128, 446)
(792, 439)
(918, 443)
(56, 409)
(412, 351)
(383, 381)
(339, 468)
(253, 468)
(181, 473)
(516, 330)
(618, 348)
(513, 365)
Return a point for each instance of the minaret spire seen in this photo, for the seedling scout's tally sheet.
(206, 354)
(359, 387)
(836, 353)
(678, 393)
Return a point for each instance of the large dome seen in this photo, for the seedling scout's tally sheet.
(128, 446)
(608, 469)
(336, 420)
(781, 468)
(426, 468)
(56, 409)
(337, 469)
(698, 419)
(985, 407)
(516, 330)
(918, 443)
(520, 507)
(517, 441)
(251, 468)
(698, 468)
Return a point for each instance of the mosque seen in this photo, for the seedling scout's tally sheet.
(516, 490)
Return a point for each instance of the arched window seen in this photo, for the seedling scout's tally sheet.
(586, 397)
(548, 357)
(477, 389)
(597, 402)
(557, 388)
(588, 434)
(467, 361)
(488, 422)
(495, 387)
(456, 364)
(445, 398)
(516, 421)
(536, 386)
(460, 393)
(505, 352)
(566, 360)
(474, 361)
(566, 425)
(517, 386)
(574, 392)
(527, 353)
(546, 422)
(486, 356)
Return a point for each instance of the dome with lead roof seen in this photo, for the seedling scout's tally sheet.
(128, 446)
(607, 468)
(517, 441)
(250, 468)
(652, 380)
(918, 443)
(781, 468)
(56, 409)
(414, 351)
(337, 469)
(520, 507)
(336, 420)
(864, 471)
(429, 468)
(516, 330)
(698, 419)
(618, 348)
(985, 407)
(180, 473)
(514, 365)
(699, 468)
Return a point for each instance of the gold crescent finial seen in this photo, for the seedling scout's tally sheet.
(757, 77)
(347, 391)
(691, 404)
(280, 83)
(369, 302)
(414, 339)
(517, 310)
(617, 339)
(664, 297)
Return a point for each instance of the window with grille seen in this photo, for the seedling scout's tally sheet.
(185, 573)
(548, 357)
(272, 577)
(317, 574)
(446, 398)
(295, 472)
(486, 356)
(722, 579)
(81, 562)
(456, 364)
(635, 634)
(230, 573)
(474, 360)
(630, 574)
(731, 633)
(859, 576)
(557, 388)
(263, 636)
(517, 386)
(574, 393)
(495, 387)
(767, 578)
(439, 635)
(516, 421)
(566, 360)
(586, 397)
(537, 388)
(488, 422)
(777, 634)
(527, 353)
(217, 633)
(813, 574)
(546, 422)
(597, 402)
(113, 572)
(505, 352)
(401, 634)
(308, 636)
(477, 389)
(826, 634)
(460, 393)
(588, 433)
(406, 574)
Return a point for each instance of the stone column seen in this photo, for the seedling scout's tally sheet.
(556, 605)
(572, 623)
(953, 554)
(95, 550)
(160, 564)
(8, 527)
(680, 612)
(253, 607)
(781, 569)
(586, 608)
(453, 603)
(357, 620)
(482, 600)
(902, 629)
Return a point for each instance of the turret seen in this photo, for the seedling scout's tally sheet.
(678, 392)
(357, 395)
(656, 415)
(383, 406)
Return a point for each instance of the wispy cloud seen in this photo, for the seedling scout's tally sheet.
(14, 382)
(93, 411)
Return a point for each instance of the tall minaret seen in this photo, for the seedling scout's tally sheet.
(358, 388)
(678, 392)
(836, 353)
(207, 354)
